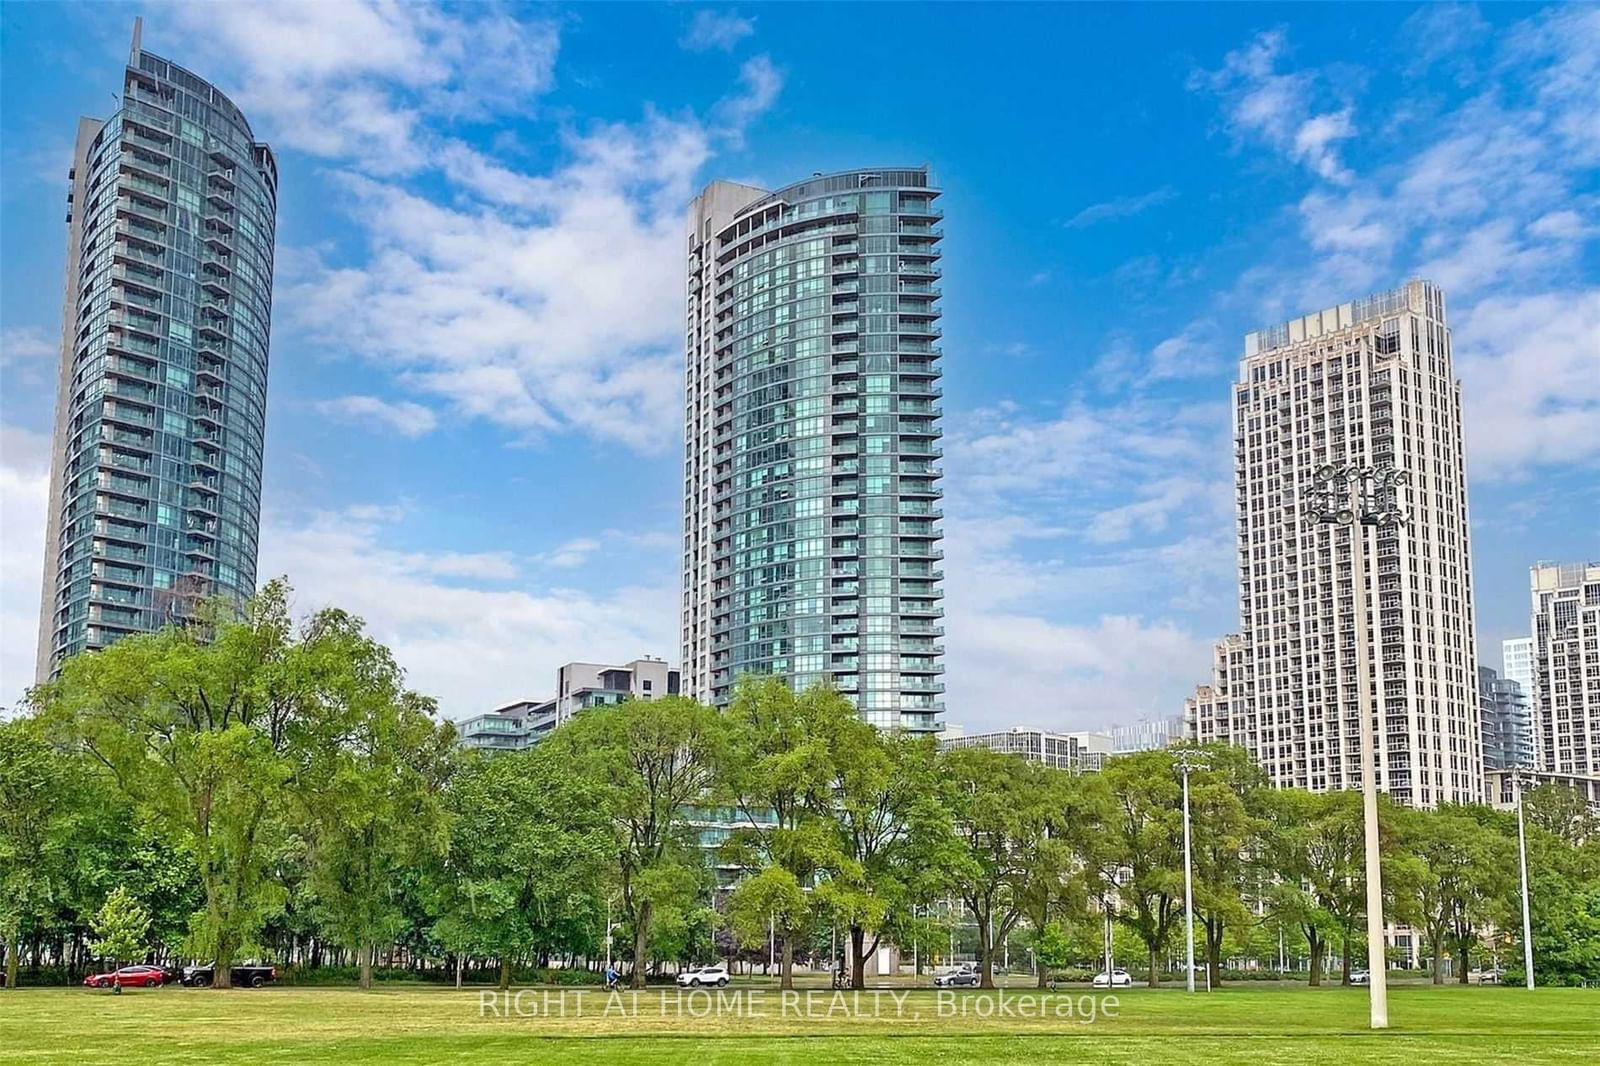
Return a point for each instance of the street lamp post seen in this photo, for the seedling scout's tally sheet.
(1357, 496)
(1189, 759)
(610, 928)
(1522, 865)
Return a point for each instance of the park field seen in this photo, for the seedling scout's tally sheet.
(755, 1025)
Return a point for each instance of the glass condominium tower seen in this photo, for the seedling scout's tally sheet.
(155, 479)
(811, 441)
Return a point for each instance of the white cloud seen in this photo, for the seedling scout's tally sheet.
(1016, 669)
(24, 492)
(1076, 515)
(719, 30)
(1530, 369)
(1315, 139)
(1160, 501)
(1490, 199)
(574, 553)
(1190, 353)
(760, 82)
(22, 344)
(467, 630)
(405, 418)
(1280, 109)
(360, 79)
(1121, 207)
(1441, 34)
(27, 358)
(542, 302)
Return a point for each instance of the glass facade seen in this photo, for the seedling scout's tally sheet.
(156, 473)
(821, 373)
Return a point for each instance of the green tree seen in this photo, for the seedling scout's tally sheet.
(884, 808)
(780, 773)
(122, 928)
(369, 770)
(1561, 811)
(529, 848)
(1145, 837)
(1454, 872)
(772, 899)
(1564, 895)
(652, 761)
(39, 816)
(1003, 808)
(1052, 949)
(1565, 917)
(1227, 827)
(1303, 847)
(1055, 885)
(197, 726)
(1317, 847)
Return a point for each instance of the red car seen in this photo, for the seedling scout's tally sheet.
(128, 977)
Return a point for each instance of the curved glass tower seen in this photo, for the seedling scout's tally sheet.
(161, 403)
(811, 490)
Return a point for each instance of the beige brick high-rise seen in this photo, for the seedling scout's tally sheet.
(1371, 382)
(1566, 667)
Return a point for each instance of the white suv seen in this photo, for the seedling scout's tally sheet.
(700, 976)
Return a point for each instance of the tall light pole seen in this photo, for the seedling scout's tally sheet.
(1189, 759)
(1357, 496)
(1111, 886)
(1522, 864)
(610, 928)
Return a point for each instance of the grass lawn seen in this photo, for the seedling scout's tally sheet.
(423, 1024)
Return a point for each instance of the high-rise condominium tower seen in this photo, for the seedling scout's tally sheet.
(1367, 382)
(1505, 724)
(1516, 656)
(811, 434)
(155, 478)
(1566, 667)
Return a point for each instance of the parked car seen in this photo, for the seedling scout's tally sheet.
(1360, 977)
(965, 975)
(700, 976)
(1117, 978)
(205, 974)
(128, 977)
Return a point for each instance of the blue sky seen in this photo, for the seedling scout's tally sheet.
(476, 356)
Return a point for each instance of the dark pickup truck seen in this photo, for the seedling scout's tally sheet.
(243, 976)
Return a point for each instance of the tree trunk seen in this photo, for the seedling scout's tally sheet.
(786, 960)
(458, 971)
(1438, 960)
(13, 956)
(985, 954)
(505, 972)
(222, 972)
(1317, 946)
(1463, 960)
(1214, 952)
(1155, 968)
(1344, 961)
(366, 965)
(641, 943)
(858, 962)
